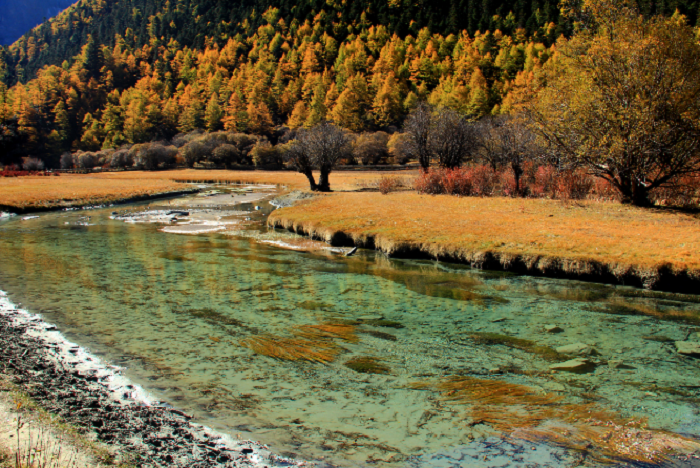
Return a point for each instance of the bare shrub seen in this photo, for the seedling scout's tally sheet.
(84, 160)
(264, 154)
(225, 154)
(399, 150)
(371, 148)
(32, 164)
(388, 184)
(121, 159)
(66, 161)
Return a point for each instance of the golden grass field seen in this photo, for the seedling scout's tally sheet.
(537, 229)
(21, 193)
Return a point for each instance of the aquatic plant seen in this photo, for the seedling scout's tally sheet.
(328, 331)
(292, 349)
(544, 352)
(367, 365)
(522, 412)
(312, 343)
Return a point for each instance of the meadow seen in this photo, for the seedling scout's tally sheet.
(576, 239)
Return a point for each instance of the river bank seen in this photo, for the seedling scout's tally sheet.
(590, 241)
(83, 393)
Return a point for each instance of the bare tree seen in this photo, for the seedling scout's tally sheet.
(297, 153)
(451, 139)
(507, 142)
(327, 145)
(417, 126)
(320, 148)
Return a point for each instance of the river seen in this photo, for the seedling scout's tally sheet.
(197, 319)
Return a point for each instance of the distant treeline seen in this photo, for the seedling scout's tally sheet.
(282, 74)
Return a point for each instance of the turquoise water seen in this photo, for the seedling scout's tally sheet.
(173, 310)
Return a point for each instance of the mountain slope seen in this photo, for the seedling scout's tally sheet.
(193, 22)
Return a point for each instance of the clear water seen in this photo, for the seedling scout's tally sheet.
(173, 309)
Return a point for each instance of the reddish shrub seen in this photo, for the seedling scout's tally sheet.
(574, 185)
(429, 182)
(544, 182)
(483, 179)
(507, 180)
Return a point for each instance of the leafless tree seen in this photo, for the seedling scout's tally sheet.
(417, 126)
(507, 142)
(451, 139)
(297, 153)
(320, 148)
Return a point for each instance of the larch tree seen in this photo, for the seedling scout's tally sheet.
(213, 113)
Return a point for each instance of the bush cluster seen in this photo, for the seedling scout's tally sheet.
(537, 182)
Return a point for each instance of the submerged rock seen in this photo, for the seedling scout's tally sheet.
(578, 365)
(618, 364)
(689, 348)
(581, 349)
(553, 329)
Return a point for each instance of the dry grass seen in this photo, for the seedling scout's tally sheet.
(541, 233)
(340, 181)
(523, 412)
(76, 190)
(93, 189)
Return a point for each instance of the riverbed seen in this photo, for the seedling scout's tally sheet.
(200, 304)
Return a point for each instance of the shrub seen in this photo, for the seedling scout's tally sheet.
(32, 164)
(264, 154)
(225, 155)
(574, 185)
(66, 161)
(387, 185)
(84, 160)
(371, 148)
(483, 179)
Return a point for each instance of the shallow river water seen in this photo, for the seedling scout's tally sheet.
(196, 319)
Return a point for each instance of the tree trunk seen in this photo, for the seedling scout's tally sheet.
(323, 182)
(517, 174)
(312, 182)
(634, 193)
(424, 160)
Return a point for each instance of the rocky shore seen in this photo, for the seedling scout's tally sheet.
(84, 392)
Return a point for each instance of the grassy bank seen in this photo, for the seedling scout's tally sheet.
(20, 194)
(592, 241)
